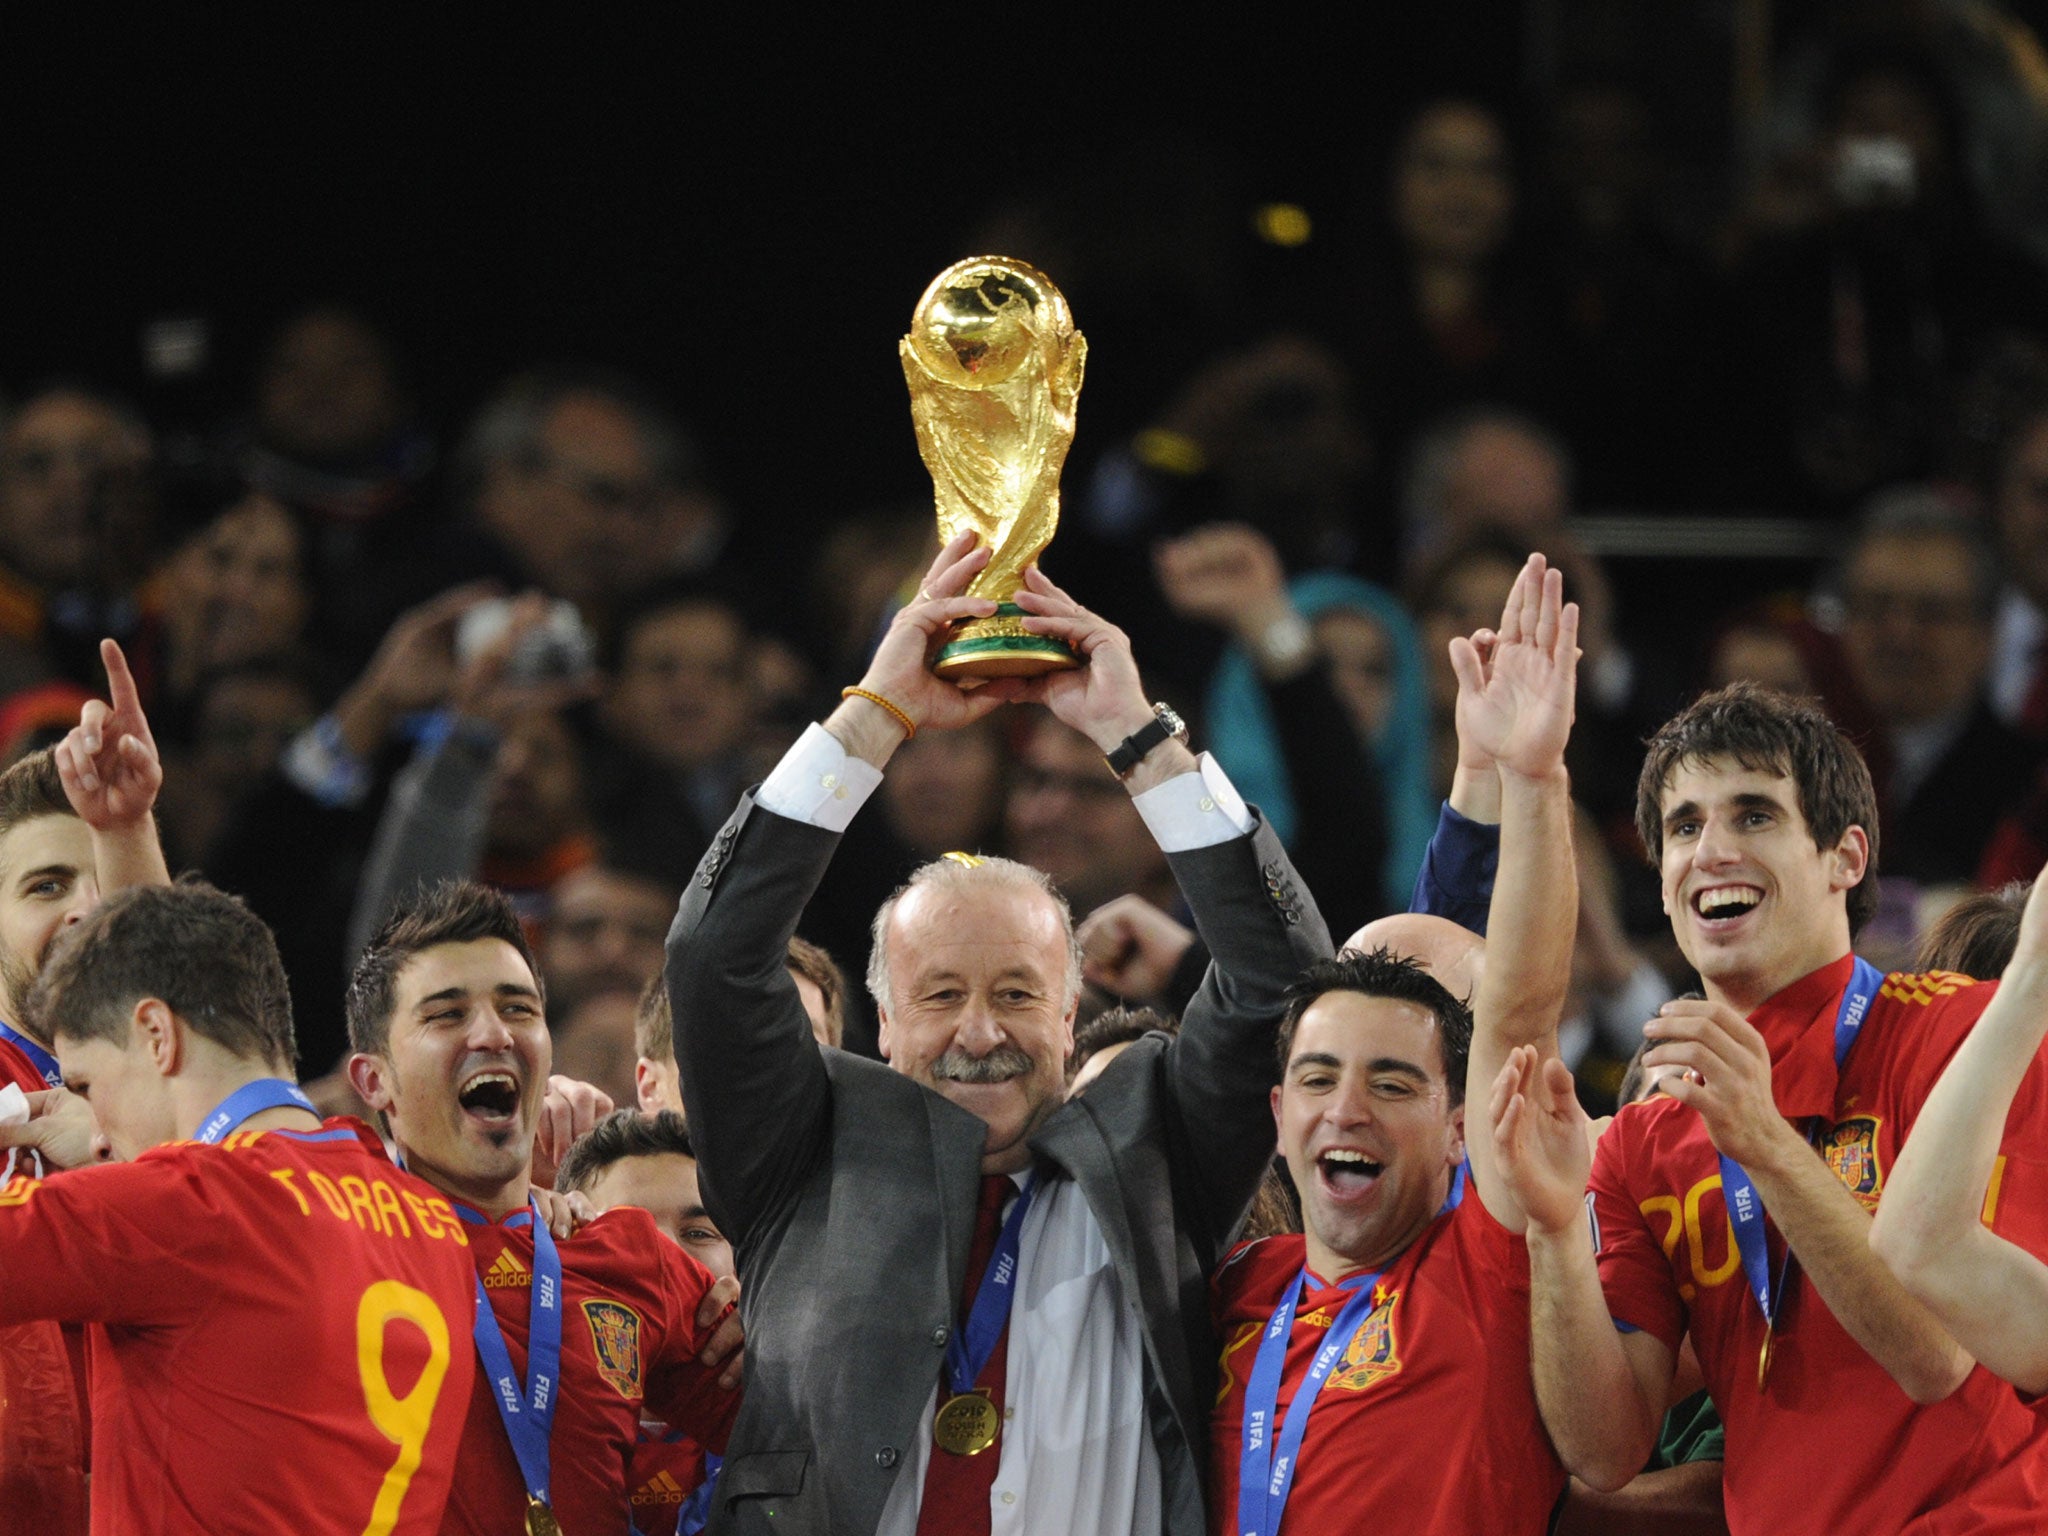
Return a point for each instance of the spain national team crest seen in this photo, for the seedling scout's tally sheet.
(1850, 1146)
(615, 1337)
(1374, 1353)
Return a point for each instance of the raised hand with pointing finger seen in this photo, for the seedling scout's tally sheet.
(111, 774)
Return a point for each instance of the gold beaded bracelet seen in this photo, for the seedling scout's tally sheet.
(909, 725)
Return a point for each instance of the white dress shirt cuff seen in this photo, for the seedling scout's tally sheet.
(1194, 810)
(819, 783)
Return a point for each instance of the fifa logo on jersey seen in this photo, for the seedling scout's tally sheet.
(1374, 1353)
(615, 1338)
(659, 1489)
(1850, 1148)
(506, 1271)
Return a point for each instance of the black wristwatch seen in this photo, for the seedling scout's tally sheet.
(1132, 749)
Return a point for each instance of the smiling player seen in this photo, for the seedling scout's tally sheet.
(451, 1046)
(1739, 1207)
(1400, 1315)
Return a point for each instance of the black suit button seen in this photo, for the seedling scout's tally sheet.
(886, 1456)
(939, 1337)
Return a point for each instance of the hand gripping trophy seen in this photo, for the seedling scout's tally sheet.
(994, 367)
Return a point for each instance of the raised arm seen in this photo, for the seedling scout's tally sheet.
(1726, 1075)
(754, 1083)
(1515, 708)
(1991, 1294)
(1259, 923)
(111, 774)
(1601, 1391)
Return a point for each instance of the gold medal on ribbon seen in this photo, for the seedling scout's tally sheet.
(966, 1425)
(1763, 1358)
(540, 1520)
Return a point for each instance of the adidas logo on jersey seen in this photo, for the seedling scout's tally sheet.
(659, 1489)
(506, 1271)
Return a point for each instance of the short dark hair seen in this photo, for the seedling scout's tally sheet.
(1382, 973)
(450, 912)
(1769, 732)
(203, 954)
(619, 1135)
(1977, 936)
(1116, 1026)
(32, 789)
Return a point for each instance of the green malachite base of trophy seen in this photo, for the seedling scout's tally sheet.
(1000, 646)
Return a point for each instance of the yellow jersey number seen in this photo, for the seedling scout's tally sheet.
(402, 1420)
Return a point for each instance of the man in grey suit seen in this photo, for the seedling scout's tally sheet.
(1071, 1393)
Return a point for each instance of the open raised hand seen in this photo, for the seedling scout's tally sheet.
(1516, 687)
(1540, 1145)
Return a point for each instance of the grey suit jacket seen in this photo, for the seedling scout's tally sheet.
(848, 1190)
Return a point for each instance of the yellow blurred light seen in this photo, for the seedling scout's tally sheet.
(1283, 224)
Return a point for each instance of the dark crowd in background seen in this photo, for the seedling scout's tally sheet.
(1774, 397)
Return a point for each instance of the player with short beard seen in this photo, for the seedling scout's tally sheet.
(451, 1047)
(75, 822)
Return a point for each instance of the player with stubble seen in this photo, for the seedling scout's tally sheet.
(1399, 1316)
(450, 1046)
(1739, 1206)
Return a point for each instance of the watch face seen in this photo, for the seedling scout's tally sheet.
(1169, 717)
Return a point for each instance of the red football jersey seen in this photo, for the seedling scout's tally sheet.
(1429, 1422)
(1831, 1443)
(666, 1468)
(282, 1336)
(42, 1427)
(17, 1068)
(629, 1337)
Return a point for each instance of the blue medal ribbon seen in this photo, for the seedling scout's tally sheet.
(252, 1099)
(1265, 1477)
(1265, 1473)
(969, 1347)
(528, 1412)
(40, 1059)
(1739, 1191)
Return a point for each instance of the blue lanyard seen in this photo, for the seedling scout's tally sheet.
(528, 1413)
(1264, 1478)
(252, 1099)
(968, 1349)
(40, 1059)
(1738, 1190)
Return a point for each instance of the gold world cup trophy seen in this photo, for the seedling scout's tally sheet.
(994, 367)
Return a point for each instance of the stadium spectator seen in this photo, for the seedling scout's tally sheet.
(77, 514)
(1068, 816)
(2019, 500)
(676, 718)
(1920, 589)
(582, 485)
(604, 932)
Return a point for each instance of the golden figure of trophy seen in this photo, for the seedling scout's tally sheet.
(994, 367)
